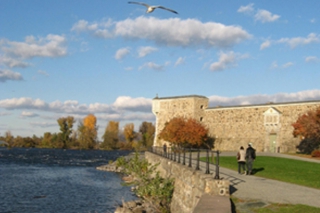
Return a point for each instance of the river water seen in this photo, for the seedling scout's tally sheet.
(55, 180)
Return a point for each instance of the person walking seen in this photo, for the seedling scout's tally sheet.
(165, 149)
(250, 157)
(241, 157)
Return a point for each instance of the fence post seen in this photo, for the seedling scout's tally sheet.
(207, 164)
(217, 166)
(190, 158)
(198, 159)
(184, 156)
(179, 156)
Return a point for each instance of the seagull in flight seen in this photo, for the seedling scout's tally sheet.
(150, 8)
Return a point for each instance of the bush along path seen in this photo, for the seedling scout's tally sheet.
(155, 192)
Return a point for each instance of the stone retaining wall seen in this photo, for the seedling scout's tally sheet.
(190, 185)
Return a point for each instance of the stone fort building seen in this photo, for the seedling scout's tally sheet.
(268, 126)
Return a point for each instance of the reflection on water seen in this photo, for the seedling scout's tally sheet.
(47, 180)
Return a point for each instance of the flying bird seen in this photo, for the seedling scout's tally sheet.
(150, 8)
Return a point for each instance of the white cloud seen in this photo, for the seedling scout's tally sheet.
(121, 53)
(274, 65)
(43, 124)
(82, 26)
(226, 60)
(312, 38)
(122, 103)
(262, 99)
(265, 45)
(28, 114)
(260, 15)
(312, 59)
(22, 103)
(96, 29)
(143, 51)
(12, 62)
(6, 75)
(179, 61)
(313, 20)
(4, 113)
(128, 68)
(265, 16)
(169, 32)
(246, 9)
(126, 102)
(153, 66)
(297, 41)
(42, 72)
(50, 46)
(286, 65)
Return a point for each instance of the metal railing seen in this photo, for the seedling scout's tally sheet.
(191, 157)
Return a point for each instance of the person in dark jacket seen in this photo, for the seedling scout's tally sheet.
(165, 149)
(250, 157)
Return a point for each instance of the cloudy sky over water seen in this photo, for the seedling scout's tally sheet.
(70, 58)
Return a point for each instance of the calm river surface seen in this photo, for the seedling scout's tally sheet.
(55, 180)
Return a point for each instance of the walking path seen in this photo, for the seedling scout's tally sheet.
(258, 188)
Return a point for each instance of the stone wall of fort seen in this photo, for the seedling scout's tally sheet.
(267, 126)
(189, 184)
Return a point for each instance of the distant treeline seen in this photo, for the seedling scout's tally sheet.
(85, 136)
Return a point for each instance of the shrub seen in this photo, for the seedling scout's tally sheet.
(148, 182)
(315, 153)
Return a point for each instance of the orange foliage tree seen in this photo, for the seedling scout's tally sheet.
(184, 132)
(308, 126)
(129, 132)
(88, 132)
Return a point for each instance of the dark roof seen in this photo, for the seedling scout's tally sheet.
(266, 104)
(184, 96)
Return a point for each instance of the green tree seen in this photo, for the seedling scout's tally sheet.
(147, 131)
(66, 124)
(46, 141)
(111, 136)
(9, 139)
(184, 132)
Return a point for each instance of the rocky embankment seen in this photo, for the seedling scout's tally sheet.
(136, 206)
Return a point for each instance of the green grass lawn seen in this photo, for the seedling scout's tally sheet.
(271, 208)
(282, 208)
(282, 169)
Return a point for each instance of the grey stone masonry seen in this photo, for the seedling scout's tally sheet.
(190, 185)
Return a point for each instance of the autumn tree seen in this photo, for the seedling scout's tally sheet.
(66, 124)
(88, 132)
(129, 132)
(147, 131)
(307, 127)
(184, 132)
(111, 136)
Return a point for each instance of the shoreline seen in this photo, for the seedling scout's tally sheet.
(132, 206)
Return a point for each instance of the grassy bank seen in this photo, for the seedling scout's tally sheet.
(245, 206)
(282, 169)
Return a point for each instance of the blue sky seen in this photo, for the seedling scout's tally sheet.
(70, 58)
